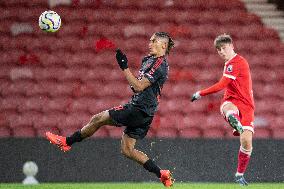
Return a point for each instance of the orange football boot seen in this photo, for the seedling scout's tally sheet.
(166, 178)
(59, 141)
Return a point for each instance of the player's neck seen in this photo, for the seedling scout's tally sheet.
(159, 55)
(231, 57)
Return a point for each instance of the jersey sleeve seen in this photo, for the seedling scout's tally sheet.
(155, 72)
(222, 84)
(231, 70)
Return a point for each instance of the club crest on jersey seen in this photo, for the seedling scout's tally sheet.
(230, 68)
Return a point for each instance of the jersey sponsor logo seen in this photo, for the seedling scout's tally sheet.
(117, 108)
(229, 76)
(230, 68)
(150, 76)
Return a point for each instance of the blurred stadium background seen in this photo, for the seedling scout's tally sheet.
(57, 81)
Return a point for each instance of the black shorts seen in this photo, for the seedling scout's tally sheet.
(136, 121)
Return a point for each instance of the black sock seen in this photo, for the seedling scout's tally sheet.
(152, 167)
(76, 137)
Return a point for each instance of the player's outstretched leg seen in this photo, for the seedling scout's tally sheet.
(241, 180)
(64, 143)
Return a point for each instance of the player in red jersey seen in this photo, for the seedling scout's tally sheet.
(237, 106)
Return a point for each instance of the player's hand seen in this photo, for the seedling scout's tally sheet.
(196, 96)
(121, 59)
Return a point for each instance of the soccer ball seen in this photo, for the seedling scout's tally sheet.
(49, 21)
(30, 168)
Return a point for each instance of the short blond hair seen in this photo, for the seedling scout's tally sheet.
(222, 39)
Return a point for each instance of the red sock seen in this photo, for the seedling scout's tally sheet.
(243, 160)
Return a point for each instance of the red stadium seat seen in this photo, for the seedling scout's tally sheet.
(166, 133)
(115, 132)
(97, 105)
(229, 133)
(38, 89)
(78, 105)
(18, 88)
(4, 122)
(65, 89)
(201, 107)
(115, 90)
(50, 119)
(171, 121)
(11, 103)
(75, 120)
(49, 73)
(101, 133)
(179, 90)
(36, 103)
(61, 104)
(278, 133)
(213, 133)
(24, 131)
(190, 133)
(5, 73)
(173, 106)
(215, 121)
(88, 90)
(40, 131)
(192, 121)
(264, 108)
(5, 132)
(278, 122)
(262, 132)
(21, 120)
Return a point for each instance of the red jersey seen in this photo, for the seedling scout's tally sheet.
(240, 88)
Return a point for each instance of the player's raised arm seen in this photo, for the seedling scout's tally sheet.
(138, 85)
(222, 84)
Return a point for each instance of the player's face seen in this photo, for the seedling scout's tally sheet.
(226, 51)
(156, 46)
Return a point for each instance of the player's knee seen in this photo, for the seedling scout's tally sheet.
(247, 151)
(246, 145)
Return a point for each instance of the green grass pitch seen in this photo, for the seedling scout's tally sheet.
(141, 186)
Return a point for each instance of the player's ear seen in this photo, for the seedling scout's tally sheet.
(165, 45)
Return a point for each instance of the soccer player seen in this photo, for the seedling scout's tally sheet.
(138, 113)
(237, 106)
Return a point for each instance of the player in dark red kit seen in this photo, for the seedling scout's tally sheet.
(137, 115)
(237, 106)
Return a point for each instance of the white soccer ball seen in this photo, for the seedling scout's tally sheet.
(30, 168)
(49, 21)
